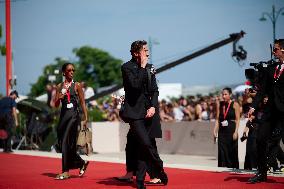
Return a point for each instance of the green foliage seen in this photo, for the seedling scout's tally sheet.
(2, 47)
(48, 142)
(95, 67)
(39, 87)
(95, 115)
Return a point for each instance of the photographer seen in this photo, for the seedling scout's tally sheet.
(273, 114)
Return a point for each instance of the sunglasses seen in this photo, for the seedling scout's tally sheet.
(73, 70)
(275, 49)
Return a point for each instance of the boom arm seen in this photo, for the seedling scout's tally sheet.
(233, 38)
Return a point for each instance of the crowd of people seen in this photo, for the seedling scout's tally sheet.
(190, 108)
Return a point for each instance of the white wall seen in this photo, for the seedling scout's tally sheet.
(105, 137)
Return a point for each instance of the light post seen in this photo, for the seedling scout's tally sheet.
(273, 16)
(151, 42)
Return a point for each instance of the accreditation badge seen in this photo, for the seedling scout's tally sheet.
(70, 105)
(224, 123)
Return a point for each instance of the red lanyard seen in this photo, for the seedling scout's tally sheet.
(68, 95)
(276, 76)
(68, 90)
(226, 112)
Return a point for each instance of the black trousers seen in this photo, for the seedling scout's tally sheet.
(67, 131)
(146, 152)
(274, 149)
(251, 152)
(7, 121)
(264, 132)
(132, 155)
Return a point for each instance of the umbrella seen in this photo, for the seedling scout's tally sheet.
(240, 88)
(28, 106)
(38, 115)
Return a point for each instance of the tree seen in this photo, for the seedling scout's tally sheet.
(94, 66)
(2, 47)
(97, 68)
(39, 87)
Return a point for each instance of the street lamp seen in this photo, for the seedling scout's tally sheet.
(273, 16)
(152, 42)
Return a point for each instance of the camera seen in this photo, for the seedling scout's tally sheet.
(255, 74)
(244, 137)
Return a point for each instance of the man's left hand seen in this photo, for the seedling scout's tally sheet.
(150, 112)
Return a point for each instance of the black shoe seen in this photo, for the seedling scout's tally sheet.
(140, 185)
(83, 169)
(259, 177)
(128, 180)
(8, 151)
(164, 177)
(277, 171)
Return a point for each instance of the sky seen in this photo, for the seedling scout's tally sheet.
(43, 30)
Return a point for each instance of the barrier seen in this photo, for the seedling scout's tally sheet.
(189, 138)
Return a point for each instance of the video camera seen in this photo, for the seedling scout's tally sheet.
(255, 74)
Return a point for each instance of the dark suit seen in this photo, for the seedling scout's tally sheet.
(141, 93)
(273, 113)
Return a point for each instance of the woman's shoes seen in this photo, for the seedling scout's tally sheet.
(154, 182)
(83, 169)
(62, 176)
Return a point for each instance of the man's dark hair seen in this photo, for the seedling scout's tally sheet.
(65, 66)
(137, 46)
(280, 42)
(228, 89)
(14, 93)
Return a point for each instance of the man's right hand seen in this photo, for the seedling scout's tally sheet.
(144, 61)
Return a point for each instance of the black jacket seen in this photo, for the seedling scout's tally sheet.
(274, 90)
(141, 93)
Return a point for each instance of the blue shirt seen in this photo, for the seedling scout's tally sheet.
(6, 105)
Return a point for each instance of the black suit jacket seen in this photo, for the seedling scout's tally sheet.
(141, 93)
(274, 90)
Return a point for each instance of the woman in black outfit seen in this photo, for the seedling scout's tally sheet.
(69, 93)
(226, 129)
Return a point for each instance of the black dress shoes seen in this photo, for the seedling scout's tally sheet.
(128, 180)
(140, 185)
(259, 177)
(164, 177)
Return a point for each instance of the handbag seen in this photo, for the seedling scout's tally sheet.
(3, 134)
(84, 140)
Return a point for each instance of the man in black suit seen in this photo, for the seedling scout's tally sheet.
(272, 84)
(140, 105)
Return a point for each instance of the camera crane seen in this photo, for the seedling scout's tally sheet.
(239, 55)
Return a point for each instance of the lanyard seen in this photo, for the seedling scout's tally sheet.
(68, 85)
(68, 95)
(281, 68)
(226, 112)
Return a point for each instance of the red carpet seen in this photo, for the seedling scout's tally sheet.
(30, 172)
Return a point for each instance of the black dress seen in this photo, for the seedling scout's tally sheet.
(250, 158)
(227, 147)
(67, 132)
